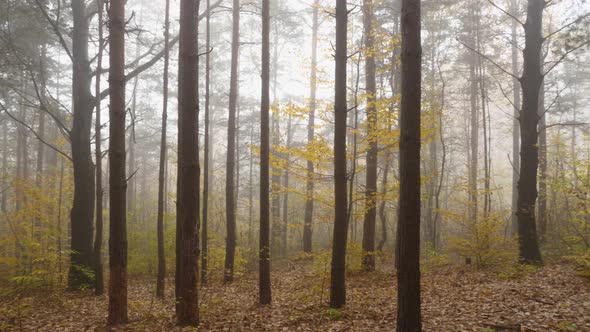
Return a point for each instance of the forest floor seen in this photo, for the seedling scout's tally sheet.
(552, 298)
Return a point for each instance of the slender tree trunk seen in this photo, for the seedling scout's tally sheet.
(474, 125)
(98, 264)
(338, 265)
(542, 210)
(368, 263)
(275, 184)
(408, 276)
(188, 186)
(83, 205)
(204, 226)
(309, 189)
(285, 226)
(264, 288)
(3, 203)
(161, 280)
(251, 187)
(230, 205)
(382, 214)
(531, 81)
(117, 180)
(515, 121)
(132, 165)
(276, 141)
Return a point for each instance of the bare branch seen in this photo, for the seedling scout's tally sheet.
(566, 26)
(488, 58)
(563, 124)
(56, 29)
(35, 133)
(506, 12)
(561, 58)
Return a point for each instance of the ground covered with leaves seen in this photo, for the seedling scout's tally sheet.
(552, 298)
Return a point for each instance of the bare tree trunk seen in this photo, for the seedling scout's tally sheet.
(542, 209)
(83, 206)
(515, 121)
(368, 262)
(204, 226)
(531, 82)
(188, 186)
(285, 226)
(117, 180)
(276, 141)
(98, 264)
(161, 280)
(338, 265)
(309, 189)
(3, 203)
(230, 205)
(132, 164)
(251, 188)
(408, 277)
(474, 125)
(264, 287)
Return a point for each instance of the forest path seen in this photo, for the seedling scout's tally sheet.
(553, 298)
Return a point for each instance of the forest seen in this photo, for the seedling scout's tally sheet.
(301, 165)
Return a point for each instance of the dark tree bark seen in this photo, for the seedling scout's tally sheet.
(338, 265)
(204, 226)
(408, 276)
(83, 206)
(98, 264)
(230, 205)
(531, 81)
(309, 190)
(264, 288)
(188, 186)
(161, 279)
(368, 263)
(117, 180)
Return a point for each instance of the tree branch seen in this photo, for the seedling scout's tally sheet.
(487, 58)
(35, 133)
(566, 26)
(55, 27)
(506, 13)
(558, 61)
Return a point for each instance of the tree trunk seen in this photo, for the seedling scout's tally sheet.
(264, 289)
(474, 124)
(408, 277)
(83, 205)
(230, 205)
(132, 165)
(188, 191)
(542, 210)
(117, 180)
(531, 81)
(204, 226)
(309, 189)
(338, 265)
(98, 264)
(515, 121)
(161, 279)
(3, 203)
(285, 226)
(368, 263)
